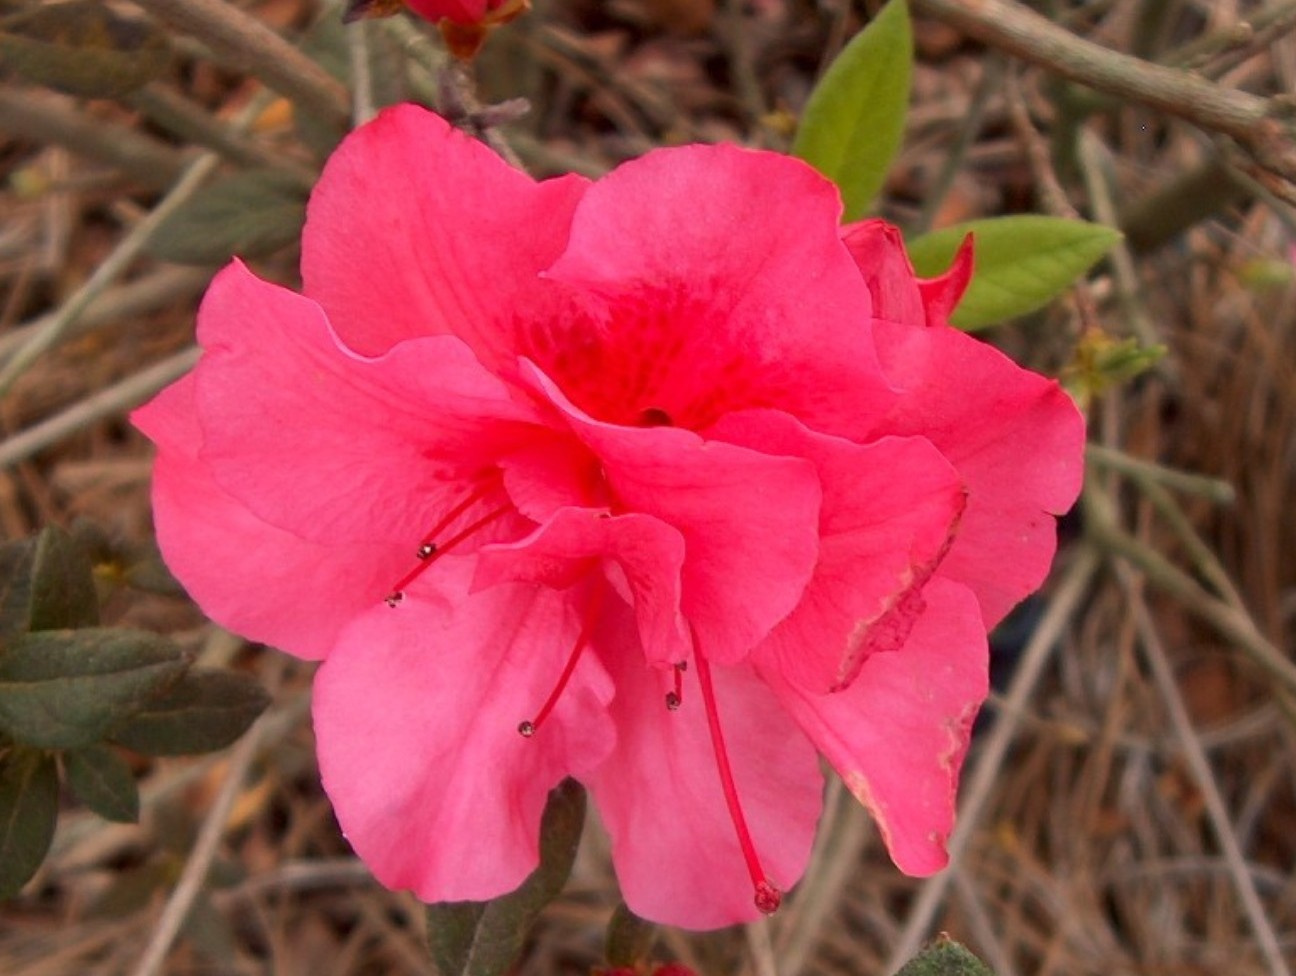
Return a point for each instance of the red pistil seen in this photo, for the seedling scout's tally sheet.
(528, 728)
(767, 896)
(675, 698)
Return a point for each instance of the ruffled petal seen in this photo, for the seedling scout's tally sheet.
(725, 286)
(257, 580)
(1016, 439)
(642, 555)
(750, 521)
(898, 734)
(328, 445)
(890, 510)
(416, 716)
(674, 846)
(416, 229)
(898, 294)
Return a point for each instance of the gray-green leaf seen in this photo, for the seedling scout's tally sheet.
(249, 214)
(63, 589)
(16, 560)
(1021, 262)
(485, 938)
(101, 779)
(28, 813)
(83, 48)
(63, 689)
(205, 710)
(854, 121)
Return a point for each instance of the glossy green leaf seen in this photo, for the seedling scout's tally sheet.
(16, 561)
(854, 121)
(84, 47)
(102, 780)
(63, 689)
(205, 710)
(249, 214)
(63, 590)
(485, 938)
(28, 813)
(944, 957)
(1021, 263)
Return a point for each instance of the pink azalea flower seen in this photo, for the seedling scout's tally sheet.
(665, 482)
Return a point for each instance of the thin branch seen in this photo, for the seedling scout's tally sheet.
(1008, 26)
(204, 852)
(247, 44)
(130, 392)
(1195, 756)
(48, 118)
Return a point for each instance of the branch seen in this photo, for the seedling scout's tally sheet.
(243, 42)
(1252, 121)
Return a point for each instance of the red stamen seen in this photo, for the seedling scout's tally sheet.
(528, 728)
(674, 699)
(428, 556)
(767, 896)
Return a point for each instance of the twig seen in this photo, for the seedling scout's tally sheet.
(130, 392)
(1212, 489)
(1195, 756)
(117, 262)
(246, 44)
(1066, 599)
(1008, 26)
(183, 118)
(204, 852)
(1234, 623)
(48, 118)
(131, 300)
(362, 100)
(760, 948)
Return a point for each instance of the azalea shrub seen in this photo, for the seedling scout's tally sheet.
(663, 492)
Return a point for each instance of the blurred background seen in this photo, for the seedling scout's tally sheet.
(1129, 805)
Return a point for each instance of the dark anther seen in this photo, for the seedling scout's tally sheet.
(655, 417)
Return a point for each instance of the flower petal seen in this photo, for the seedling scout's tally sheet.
(674, 847)
(725, 287)
(416, 229)
(644, 557)
(257, 580)
(1016, 439)
(890, 510)
(330, 446)
(750, 521)
(898, 734)
(416, 715)
(898, 294)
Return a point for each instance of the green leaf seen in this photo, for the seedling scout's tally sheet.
(205, 710)
(471, 938)
(249, 214)
(854, 121)
(944, 957)
(1021, 263)
(16, 560)
(102, 780)
(28, 813)
(83, 48)
(63, 589)
(63, 689)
